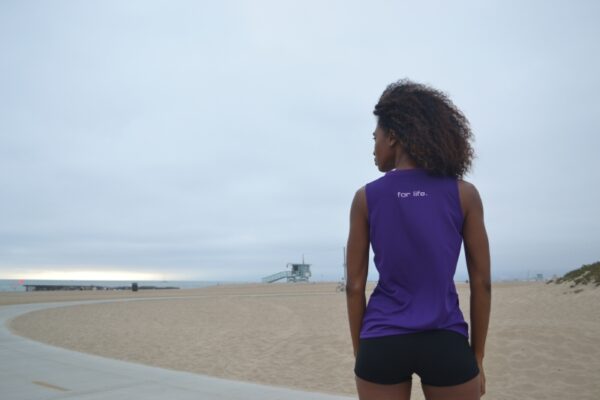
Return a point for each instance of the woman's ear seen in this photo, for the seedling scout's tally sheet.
(392, 138)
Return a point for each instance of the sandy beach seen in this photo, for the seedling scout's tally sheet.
(542, 344)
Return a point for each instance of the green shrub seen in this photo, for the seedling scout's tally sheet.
(589, 273)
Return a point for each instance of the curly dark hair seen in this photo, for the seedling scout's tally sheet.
(432, 130)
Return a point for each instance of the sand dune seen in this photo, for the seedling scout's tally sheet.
(542, 344)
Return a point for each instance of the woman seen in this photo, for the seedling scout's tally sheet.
(416, 218)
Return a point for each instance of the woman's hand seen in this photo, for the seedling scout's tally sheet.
(481, 376)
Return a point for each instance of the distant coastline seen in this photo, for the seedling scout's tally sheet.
(16, 285)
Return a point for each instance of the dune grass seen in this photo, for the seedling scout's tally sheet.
(586, 274)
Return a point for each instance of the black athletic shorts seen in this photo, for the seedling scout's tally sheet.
(439, 357)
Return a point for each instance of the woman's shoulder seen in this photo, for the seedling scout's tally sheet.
(359, 206)
(360, 196)
(469, 196)
(466, 186)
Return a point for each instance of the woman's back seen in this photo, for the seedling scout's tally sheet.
(415, 229)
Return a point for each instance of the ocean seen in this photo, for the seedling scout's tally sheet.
(16, 285)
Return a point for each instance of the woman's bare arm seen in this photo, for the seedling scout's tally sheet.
(477, 254)
(357, 264)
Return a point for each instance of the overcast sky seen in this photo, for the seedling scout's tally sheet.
(222, 140)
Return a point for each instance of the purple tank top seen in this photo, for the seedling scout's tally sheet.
(415, 223)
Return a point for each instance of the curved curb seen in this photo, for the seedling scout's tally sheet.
(32, 370)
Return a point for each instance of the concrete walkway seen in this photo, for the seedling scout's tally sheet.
(31, 370)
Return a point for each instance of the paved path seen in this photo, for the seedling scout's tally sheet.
(32, 370)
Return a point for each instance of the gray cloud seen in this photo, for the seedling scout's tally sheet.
(223, 141)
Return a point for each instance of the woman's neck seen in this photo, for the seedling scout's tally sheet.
(404, 161)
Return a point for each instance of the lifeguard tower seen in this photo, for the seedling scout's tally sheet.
(295, 273)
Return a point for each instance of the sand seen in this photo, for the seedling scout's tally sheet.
(542, 343)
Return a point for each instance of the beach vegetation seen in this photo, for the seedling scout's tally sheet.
(586, 274)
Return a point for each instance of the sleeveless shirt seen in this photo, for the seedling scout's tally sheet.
(415, 223)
